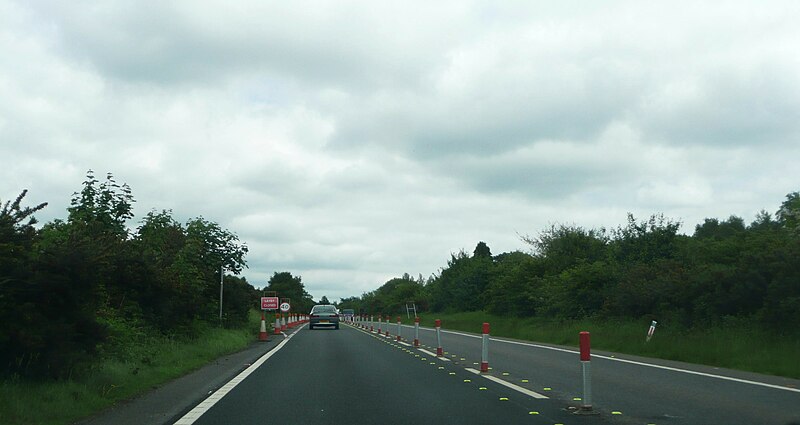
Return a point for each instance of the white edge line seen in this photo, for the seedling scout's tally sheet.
(211, 400)
(615, 359)
(404, 343)
(507, 384)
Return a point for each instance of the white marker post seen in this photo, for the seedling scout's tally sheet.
(439, 351)
(485, 349)
(416, 332)
(586, 357)
(379, 324)
(371, 324)
(398, 328)
(651, 330)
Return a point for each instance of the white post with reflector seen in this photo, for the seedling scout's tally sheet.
(398, 328)
(586, 370)
(651, 330)
(416, 332)
(439, 350)
(485, 349)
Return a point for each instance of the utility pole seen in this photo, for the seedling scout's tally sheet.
(221, 277)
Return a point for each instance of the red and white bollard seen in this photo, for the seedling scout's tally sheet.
(283, 322)
(277, 324)
(262, 334)
(485, 349)
(439, 350)
(416, 332)
(371, 324)
(388, 318)
(586, 357)
(379, 324)
(398, 328)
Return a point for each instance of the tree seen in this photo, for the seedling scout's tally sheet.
(288, 286)
(482, 250)
(102, 208)
(324, 300)
(645, 241)
(564, 246)
(789, 213)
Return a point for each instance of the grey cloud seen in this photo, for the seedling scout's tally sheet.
(725, 109)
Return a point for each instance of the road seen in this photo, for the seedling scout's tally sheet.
(352, 375)
(642, 390)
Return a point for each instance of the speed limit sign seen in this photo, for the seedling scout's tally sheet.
(285, 307)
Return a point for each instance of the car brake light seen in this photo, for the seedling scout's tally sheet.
(314, 316)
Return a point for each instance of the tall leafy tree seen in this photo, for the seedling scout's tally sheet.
(292, 287)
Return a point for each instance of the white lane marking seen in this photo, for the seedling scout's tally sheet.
(206, 404)
(615, 359)
(509, 385)
(444, 359)
(404, 343)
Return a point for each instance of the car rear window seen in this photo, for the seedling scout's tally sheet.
(324, 309)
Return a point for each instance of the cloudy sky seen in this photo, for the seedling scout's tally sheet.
(350, 142)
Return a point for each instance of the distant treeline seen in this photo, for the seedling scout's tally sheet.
(644, 269)
(86, 286)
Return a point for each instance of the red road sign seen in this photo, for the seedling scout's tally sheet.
(269, 303)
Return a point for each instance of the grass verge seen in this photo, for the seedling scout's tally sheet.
(149, 364)
(736, 345)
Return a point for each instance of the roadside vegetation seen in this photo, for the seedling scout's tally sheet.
(148, 362)
(727, 295)
(93, 311)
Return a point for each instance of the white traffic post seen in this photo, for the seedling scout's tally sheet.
(439, 351)
(485, 349)
(586, 357)
(371, 323)
(416, 332)
(388, 318)
(651, 330)
(398, 328)
(379, 324)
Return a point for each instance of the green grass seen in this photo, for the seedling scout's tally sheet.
(736, 345)
(149, 364)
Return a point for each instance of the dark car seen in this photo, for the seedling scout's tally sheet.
(324, 315)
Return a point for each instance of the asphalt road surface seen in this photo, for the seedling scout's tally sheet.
(354, 376)
(351, 376)
(640, 390)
